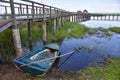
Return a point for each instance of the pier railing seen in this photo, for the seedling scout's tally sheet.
(31, 10)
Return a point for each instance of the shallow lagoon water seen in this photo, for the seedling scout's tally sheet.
(95, 51)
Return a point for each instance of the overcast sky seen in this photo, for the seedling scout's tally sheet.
(111, 6)
(96, 6)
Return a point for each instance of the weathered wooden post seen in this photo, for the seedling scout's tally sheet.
(97, 17)
(33, 12)
(105, 17)
(93, 17)
(54, 20)
(59, 19)
(29, 35)
(113, 17)
(15, 31)
(69, 16)
(109, 17)
(101, 17)
(63, 18)
(27, 11)
(36, 12)
(74, 18)
(117, 17)
(20, 9)
(39, 12)
(50, 18)
(23, 11)
(5, 12)
(44, 27)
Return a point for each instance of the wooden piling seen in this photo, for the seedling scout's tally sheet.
(20, 9)
(33, 13)
(54, 20)
(74, 18)
(54, 25)
(29, 36)
(50, 18)
(44, 32)
(27, 11)
(15, 31)
(44, 27)
(59, 22)
(5, 12)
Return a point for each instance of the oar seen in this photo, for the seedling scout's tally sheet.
(76, 50)
(49, 58)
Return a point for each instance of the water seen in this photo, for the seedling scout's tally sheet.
(95, 49)
(105, 24)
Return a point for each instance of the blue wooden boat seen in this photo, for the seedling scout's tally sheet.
(42, 67)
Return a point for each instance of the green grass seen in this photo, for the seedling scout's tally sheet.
(6, 43)
(111, 71)
(105, 30)
(36, 33)
(75, 30)
(115, 29)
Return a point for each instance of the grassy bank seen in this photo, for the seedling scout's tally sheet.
(6, 44)
(70, 29)
(110, 71)
(115, 29)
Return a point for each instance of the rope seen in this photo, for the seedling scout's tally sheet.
(49, 58)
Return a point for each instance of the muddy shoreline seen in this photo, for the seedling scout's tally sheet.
(9, 72)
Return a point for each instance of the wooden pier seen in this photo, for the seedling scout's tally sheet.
(13, 13)
(105, 17)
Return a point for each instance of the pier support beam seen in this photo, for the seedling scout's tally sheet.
(44, 37)
(74, 18)
(44, 32)
(63, 21)
(55, 24)
(59, 23)
(29, 36)
(15, 31)
(17, 42)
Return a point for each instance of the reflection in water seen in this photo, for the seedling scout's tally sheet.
(95, 50)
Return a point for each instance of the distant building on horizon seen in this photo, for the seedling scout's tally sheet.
(84, 11)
